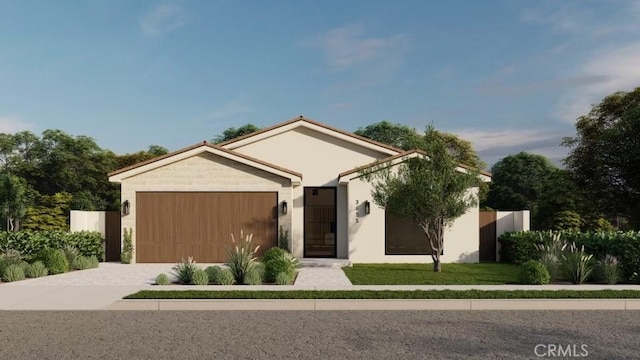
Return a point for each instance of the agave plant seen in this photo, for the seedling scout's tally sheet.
(241, 257)
(577, 264)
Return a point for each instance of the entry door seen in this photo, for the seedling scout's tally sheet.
(320, 222)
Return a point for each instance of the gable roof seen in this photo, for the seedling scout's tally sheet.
(315, 125)
(396, 159)
(120, 174)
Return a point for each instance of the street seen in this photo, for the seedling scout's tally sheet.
(318, 335)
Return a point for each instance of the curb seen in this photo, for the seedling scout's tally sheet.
(377, 304)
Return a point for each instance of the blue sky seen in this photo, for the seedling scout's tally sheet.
(509, 76)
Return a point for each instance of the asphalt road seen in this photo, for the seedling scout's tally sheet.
(319, 335)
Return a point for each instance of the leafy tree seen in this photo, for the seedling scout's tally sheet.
(428, 190)
(12, 200)
(51, 213)
(518, 183)
(604, 157)
(232, 133)
(157, 150)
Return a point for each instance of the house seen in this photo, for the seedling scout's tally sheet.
(300, 176)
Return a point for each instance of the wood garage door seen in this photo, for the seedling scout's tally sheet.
(171, 226)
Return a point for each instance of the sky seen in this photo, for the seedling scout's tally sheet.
(509, 76)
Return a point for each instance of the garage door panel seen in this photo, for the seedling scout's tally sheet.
(176, 225)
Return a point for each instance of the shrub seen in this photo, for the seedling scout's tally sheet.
(200, 277)
(566, 220)
(127, 246)
(241, 257)
(517, 247)
(608, 269)
(534, 272)
(253, 277)
(283, 239)
(71, 253)
(598, 225)
(35, 270)
(83, 263)
(224, 277)
(550, 250)
(13, 272)
(163, 279)
(184, 270)
(212, 273)
(284, 278)
(54, 260)
(576, 264)
(278, 262)
(32, 243)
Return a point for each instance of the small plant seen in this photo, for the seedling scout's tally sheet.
(550, 251)
(24, 265)
(284, 278)
(241, 257)
(577, 264)
(184, 270)
(224, 277)
(83, 263)
(283, 239)
(278, 261)
(635, 278)
(71, 253)
(54, 260)
(200, 277)
(163, 279)
(35, 270)
(212, 273)
(13, 272)
(253, 278)
(534, 272)
(127, 247)
(609, 269)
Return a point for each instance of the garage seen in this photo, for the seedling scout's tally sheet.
(176, 225)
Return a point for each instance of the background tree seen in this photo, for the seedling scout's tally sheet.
(12, 200)
(604, 157)
(157, 150)
(232, 133)
(430, 191)
(519, 182)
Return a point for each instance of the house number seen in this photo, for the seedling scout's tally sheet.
(357, 212)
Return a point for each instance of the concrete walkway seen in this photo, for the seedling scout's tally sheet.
(98, 288)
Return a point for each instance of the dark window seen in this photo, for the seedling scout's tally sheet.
(403, 237)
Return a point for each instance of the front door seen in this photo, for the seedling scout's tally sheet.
(320, 222)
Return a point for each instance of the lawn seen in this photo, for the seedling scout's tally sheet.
(423, 274)
(386, 294)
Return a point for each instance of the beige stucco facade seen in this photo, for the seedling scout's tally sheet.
(318, 155)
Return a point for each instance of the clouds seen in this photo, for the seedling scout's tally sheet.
(616, 65)
(162, 19)
(348, 47)
(493, 145)
(13, 124)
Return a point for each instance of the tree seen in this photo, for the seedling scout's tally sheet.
(604, 157)
(427, 189)
(518, 182)
(232, 133)
(12, 200)
(157, 150)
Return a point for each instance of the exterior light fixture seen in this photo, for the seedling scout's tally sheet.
(125, 207)
(367, 207)
(284, 207)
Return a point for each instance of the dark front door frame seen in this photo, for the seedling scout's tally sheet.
(335, 220)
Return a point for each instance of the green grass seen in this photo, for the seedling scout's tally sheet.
(423, 274)
(386, 294)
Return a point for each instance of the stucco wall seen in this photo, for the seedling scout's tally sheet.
(87, 220)
(319, 158)
(205, 172)
(367, 241)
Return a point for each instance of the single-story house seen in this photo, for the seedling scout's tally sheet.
(300, 177)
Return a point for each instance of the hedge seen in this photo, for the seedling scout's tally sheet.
(519, 247)
(30, 243)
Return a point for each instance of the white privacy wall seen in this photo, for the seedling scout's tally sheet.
(508, 221)
(88, 220)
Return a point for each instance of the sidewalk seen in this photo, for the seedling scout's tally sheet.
(93, 290)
